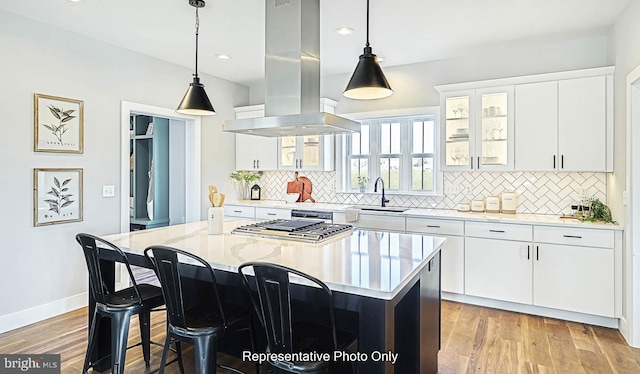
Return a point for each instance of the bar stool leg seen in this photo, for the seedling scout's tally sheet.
(119, 335)
(145, 335)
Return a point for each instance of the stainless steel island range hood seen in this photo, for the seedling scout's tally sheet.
(292, 76)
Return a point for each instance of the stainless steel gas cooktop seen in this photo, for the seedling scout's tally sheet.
(309, 231)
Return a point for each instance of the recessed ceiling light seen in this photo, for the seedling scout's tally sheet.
(223, 56)
(344, 30)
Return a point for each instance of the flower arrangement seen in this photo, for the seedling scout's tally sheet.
(244, 179)
(599, 212)
(363, 182)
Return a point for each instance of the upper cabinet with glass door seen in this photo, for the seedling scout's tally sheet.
(477, 132)
(494, 129)
(308, 152)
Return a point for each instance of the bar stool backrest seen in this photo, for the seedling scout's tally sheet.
(273, 306)
(168, 263)
(97, 284)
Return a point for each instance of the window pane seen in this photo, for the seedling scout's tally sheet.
(429, 136)
(422, 173)
(395, 138)
(385, 138)
(390, 172)
(364, 135)
(359, 167)
(355, 143)
(417, 137)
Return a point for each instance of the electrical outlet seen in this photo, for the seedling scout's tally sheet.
(451, 189)
(467, 190)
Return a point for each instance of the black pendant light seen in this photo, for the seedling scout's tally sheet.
(368, 80)
(195, 101)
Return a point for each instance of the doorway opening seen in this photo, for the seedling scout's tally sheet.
(160, 168)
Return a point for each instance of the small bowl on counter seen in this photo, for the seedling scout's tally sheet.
(291, 197)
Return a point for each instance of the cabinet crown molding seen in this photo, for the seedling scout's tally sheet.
(570, 74)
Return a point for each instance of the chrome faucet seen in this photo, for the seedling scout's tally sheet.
(375, 189)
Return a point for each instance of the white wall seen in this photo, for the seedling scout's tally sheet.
(40, 265)
(624, 42)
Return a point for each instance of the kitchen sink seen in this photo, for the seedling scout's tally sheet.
(395, 209)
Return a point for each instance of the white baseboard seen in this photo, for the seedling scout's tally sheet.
(535, 310)
(41, 312)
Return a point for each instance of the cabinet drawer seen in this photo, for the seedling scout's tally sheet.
(505, 231)
(273, 213)
(435, 226)
(239, 211)
(380, 222)
(574, 236)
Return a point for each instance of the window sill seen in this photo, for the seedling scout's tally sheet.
(393, 193)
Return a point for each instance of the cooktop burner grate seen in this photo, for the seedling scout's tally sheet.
(309, 231)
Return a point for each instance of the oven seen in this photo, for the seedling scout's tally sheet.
(312, 214)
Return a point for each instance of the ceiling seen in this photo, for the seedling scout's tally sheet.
(402, 31)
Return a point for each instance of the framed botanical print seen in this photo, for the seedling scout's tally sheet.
(57, 196)
(58, 124)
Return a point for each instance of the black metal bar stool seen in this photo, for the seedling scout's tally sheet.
(203, 323)
(286, 334)
(119, 306)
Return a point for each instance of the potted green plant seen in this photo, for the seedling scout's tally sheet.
(363, 182)
(244, 179)
(599, 212)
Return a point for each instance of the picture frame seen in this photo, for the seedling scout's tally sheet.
(58, 124)
(57, 196)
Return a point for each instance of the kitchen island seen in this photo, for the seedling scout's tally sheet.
(386, 285)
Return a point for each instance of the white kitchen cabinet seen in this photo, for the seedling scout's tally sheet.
(574, 269)
(478, 129)
(255, 152)
(264, 213)
(452, 252)
(578, 279)
(536, 121)
(562, 125)
(239, 211)
(582, 130)
(498, 269)
(311, 152)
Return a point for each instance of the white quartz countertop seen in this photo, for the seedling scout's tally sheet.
(366, 263)
(531, 219)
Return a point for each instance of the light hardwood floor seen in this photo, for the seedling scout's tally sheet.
(474, 340)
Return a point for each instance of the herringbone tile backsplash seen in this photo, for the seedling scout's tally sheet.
(541, 193)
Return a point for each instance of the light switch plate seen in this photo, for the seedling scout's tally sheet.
(108, 191)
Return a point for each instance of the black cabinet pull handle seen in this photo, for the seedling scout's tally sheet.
(573, 236)
(296, 163)
(478, 162)
(254, 164)
(496, 230)
(271, 214)
(258, 164)
(528, 251)
(300, 163)
(471, 161)
(237, 211)
(537, 253)
(562, 162)
(554, 161)
(434, 226)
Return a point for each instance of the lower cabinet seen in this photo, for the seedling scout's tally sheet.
(452, 252)
(498, 269)
(578, 279)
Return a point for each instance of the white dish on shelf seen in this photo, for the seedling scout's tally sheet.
(291, 197)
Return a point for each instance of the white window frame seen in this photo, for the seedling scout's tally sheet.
(342, 151)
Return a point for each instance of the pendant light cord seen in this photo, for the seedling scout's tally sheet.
(367, 23)
(197, 32)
